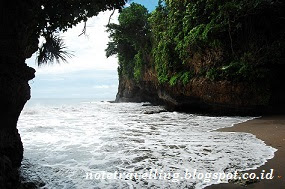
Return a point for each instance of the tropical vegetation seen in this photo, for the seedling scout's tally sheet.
(239, 41)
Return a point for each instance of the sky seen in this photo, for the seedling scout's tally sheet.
(88, 74)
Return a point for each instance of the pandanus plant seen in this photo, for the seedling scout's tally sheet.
(52, 50)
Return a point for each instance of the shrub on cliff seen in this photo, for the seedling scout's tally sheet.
(232, 40)
(130, 40)
(239, 41)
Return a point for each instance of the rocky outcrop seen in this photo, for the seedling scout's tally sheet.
(17, 42)
(130, 91)
(202, 95)
(14, 93)
(232, 64)
(8, 175)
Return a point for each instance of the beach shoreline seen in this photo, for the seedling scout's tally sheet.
(271, 130)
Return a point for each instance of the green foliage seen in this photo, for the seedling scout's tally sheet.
(53, 49)
(174, 79)
(162, 60)
(165, 56)
(60, 15)
(63, 14)
(111, 49)
(138, 66)
(213, 74)
(182, 29)
(237, 41)
(244, 69)
(130, 40)
(181, 77)
(240, 70)
(185, 77)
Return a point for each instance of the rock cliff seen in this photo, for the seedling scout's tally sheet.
(17, 42)
(202, 56)
(202, 95)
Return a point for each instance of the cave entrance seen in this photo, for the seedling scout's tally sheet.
(88, 74)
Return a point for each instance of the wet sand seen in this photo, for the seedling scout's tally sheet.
(270, 129)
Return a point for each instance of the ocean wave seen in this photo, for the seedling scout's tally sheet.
(63, 143)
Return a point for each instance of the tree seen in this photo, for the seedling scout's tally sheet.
(222, 40)
(130, 40)
(22, 22)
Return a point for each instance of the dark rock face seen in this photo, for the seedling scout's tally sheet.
(14, 93)
(202, 96)
(17, 42)
(130, 91)
(9, 177)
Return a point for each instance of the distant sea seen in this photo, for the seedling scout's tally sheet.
(66, 139)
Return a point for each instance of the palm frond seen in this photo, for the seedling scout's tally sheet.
(53, 50)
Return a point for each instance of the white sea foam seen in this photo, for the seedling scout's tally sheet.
(64, 142)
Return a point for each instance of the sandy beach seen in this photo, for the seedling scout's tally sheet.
(270, 129)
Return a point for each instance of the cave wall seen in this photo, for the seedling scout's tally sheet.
(17, 42)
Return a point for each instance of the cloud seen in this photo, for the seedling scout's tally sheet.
(89, 49)
(127, 4)
(52, 79)
(104, 86)
(89, 73)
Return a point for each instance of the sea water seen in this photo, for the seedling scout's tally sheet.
(66, 141)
